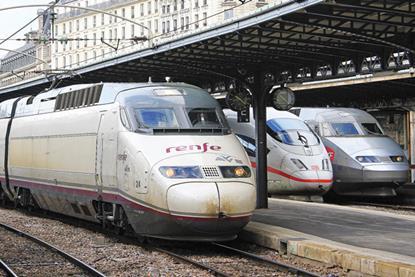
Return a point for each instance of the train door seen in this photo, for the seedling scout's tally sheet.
(106, 151)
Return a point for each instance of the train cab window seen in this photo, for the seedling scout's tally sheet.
(372, 129)
(156, 118)
(345, 129)
(204, 118)
(248, 143)
(291, 131)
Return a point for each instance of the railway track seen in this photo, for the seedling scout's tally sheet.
(184, 252)
(239, 263)
(27, 254)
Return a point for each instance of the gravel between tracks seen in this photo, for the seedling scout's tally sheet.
(113, 258)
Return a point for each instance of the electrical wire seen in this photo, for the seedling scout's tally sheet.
(134, 39)
(27, 24)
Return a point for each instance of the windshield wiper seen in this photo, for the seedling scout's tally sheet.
(302, 139)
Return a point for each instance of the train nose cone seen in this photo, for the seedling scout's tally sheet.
(215, 208)
(197, 199)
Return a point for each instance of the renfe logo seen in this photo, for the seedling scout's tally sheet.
(196, 147)
(331, 153)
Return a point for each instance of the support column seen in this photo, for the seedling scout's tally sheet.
(259, 105)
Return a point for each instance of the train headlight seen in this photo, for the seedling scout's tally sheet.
(181, 172)
(397, 159)
(235, 171)
(299, 164)
(367, 159)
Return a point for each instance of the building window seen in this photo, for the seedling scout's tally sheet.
(175, 5)
(142, 9)
(64, 29)
(142, 29)
(102, 35)
(102, 19)
(149, 25)
(85, 41)
(85, 57)
(196, 21)
(85, 23)
(149, 8)
(196, 3)
(102, 53)
(228, 14)
(187, 22)
(77, 59)
(168, 26)
(94, 36)
(132, 11)
(204, 19)
(115, 33)
(163, 27)
(70, 27)
(77, 25)
(94, 21)
(77, 44)
(163, 9)
(132, 30)
(123, 12)
(182, 23)
(111, 19)
(110, 35)
(123, 32)
(156, 25)
(56, 30)
(204, 2)
(115, 18)
(168, 9)
(156, 6)
(182, 4)
(175, 24)
(95, 55)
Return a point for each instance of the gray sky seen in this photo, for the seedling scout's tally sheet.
(12, 20)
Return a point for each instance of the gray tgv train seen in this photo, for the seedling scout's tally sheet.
(365, 161)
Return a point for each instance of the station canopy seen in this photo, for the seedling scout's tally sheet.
(290, 42)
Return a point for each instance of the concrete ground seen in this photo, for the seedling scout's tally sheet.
(367, 242)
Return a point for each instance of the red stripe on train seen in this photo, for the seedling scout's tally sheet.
(115, 197)
(286, 175)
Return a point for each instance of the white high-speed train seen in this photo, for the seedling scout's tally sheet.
(365, 161)
(298, 163)
(157, 158)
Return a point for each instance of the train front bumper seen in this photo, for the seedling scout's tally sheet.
(390, 173)
(211, 209)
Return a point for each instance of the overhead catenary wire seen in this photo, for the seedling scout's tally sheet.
(26, 25)
(133, 39)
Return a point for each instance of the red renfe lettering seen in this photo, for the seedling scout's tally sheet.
(194, 147)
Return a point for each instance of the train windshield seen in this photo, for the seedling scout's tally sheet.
(291, 131)
(179, 120)
(204, 118)
(372, 129)
(345, 129)
(156, 118)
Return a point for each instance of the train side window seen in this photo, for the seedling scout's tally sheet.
(124, 119)
(248, 143)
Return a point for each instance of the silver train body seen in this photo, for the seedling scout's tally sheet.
(365, 161)
(298, 163)
(155, 158)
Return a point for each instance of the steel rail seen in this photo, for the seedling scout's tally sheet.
(281, 266)
(193, 262)
(7, 269)
(89, 269)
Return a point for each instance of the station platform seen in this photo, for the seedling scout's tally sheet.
(368, 242)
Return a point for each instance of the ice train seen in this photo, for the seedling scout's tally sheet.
(155, 158)
(298, 163)
(365, 161)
